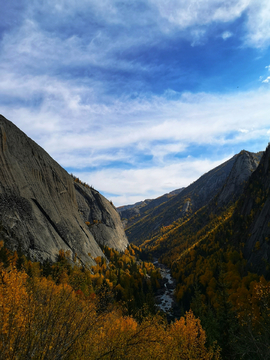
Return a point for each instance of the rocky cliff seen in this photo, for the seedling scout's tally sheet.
(244, 165)
(42, 209)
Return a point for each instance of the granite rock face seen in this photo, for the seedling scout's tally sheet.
(105, 223)
(245, 164)
(42, 209)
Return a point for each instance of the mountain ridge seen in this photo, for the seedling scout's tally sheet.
(195, 196)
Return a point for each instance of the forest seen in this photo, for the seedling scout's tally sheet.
(208, 254)
(59, 311)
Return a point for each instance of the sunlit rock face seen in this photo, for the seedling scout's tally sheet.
(105, 223)
(42, 209)
(245, 164)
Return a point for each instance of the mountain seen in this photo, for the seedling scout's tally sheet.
(219, 257)
(253, 213)
(228, 178)
(130, 213)
(44, 209)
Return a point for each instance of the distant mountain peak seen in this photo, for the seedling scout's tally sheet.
(225, 182)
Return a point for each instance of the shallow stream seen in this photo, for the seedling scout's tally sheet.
(165, 299)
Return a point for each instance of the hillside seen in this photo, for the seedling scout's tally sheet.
(131, 213)
(243, 222)
(231, 175)
(219, 257)
(44, 209)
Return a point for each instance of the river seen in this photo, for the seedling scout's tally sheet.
(165, 295)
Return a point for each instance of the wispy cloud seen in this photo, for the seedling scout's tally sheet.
(149, 182)
(226, 35)
(267, 80)
(201, 14)
(258, 23)
(97, 136)
(185, 14)
(123, 92)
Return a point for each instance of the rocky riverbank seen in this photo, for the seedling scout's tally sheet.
(165, 295)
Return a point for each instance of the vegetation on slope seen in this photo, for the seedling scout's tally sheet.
(52, 318)
(209, 258)
(231, 174)
(179, 206)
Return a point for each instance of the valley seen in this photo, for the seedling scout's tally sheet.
(191, 271)
(218, 251)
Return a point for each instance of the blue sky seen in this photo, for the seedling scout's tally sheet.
(137, 98)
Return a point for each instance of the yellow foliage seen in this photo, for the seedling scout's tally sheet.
(42, 320)
(13, 310)
(187, 340)
(39, 317)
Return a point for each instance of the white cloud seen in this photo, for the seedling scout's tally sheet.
(205, 121)
(258, 23)
(266, 80)
(226, 35)
(80, 121)
(80, 134)
(202, 118)
(198, 36)
(45, 51)
(129, 186)
(196, 14)
(199, 12)
(40, 47)
(97, 22)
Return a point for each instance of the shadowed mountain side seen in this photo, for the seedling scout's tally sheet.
(253, 214)
(233, 172)
(131, 213)
(39, 204)
(242, 223)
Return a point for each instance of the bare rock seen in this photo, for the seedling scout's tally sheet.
(41, 208)
(105, 223)
(245, 164)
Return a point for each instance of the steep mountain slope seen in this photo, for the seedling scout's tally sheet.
(130, 213)
(254, 213)
(244, 165)
(42, 209)
(233, 173)
(220, 260)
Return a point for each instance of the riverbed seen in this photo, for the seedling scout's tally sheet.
(165, 295)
